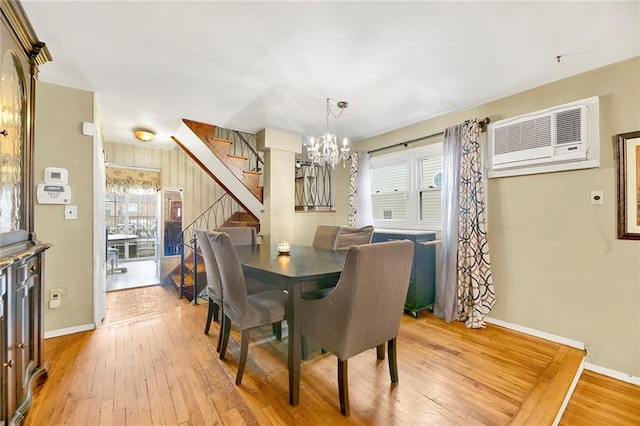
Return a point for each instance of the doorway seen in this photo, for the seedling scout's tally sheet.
(132, 208)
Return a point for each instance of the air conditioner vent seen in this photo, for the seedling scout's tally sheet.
(528, 134)
(568, 126)
(565, 137)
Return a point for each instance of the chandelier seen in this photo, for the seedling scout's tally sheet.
(325, 151)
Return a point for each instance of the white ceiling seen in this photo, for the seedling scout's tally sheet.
(251, 65)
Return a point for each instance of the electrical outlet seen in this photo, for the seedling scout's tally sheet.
(55, 300)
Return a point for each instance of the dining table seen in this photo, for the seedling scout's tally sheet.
(303, 268)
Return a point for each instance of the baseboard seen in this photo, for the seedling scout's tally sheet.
(569, 394)
(628, 378)
(70, 330)
(537, 333)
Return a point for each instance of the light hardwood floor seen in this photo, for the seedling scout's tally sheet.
(151, 364)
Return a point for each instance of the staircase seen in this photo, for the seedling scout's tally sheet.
(188, 279)
(225, 162)
(214, 155)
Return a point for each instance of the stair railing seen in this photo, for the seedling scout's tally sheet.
(245, 145)
(213, 217)
(313, 187)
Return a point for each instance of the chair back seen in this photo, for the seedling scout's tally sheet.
(366, 306)
(214, 286)
(325, 236)
(234, 286)
(241, 235)
(348, 237)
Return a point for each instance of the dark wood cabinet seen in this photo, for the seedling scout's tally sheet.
(21, 254)
(422, 284)
(22, 327)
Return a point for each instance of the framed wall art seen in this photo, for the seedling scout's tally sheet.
(628, 185)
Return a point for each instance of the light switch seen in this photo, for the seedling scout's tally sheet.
(70, 212)
(597, 198)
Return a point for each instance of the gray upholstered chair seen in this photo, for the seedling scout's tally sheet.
(325, 236)
(244, 236)
(214, 286)
(247, 311)
(364, 310)
(241, 235)
(348, 237)
(335, 238)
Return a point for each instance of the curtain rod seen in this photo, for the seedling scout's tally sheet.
(122, 166)
(483, 125)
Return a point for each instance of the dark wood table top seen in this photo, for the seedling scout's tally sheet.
(303, 263)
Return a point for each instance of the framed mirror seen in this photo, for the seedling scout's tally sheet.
(171, 220)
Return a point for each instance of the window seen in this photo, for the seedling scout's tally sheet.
(406, 189)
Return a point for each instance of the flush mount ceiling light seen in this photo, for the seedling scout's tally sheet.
(143, 135)
(325, 151)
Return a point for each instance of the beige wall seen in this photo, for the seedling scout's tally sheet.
(277, 222)
(557, 264)
(59, 142)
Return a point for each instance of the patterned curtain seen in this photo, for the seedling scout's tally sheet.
(123, 179)
(465, 290)
(352, 218)
(476, 296)
(360, 213)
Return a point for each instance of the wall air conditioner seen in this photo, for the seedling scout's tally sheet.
(565, 137)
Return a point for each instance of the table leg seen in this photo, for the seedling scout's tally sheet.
(294, 322)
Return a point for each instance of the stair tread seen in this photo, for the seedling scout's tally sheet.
(214, 139)
(239, 157)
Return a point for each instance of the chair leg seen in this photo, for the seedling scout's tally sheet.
(277, 330)
(210, 308)
(224, 332)
(343, 387)
(393, 360)
(216, 310)
(220, 337)
(244, 348)
(380, 351)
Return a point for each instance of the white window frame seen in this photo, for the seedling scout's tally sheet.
(413, 158)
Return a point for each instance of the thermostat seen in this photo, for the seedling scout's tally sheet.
(56, 175)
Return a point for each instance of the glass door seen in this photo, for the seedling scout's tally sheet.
(133, 215)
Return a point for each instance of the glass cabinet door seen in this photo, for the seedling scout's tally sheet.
(12, 136)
